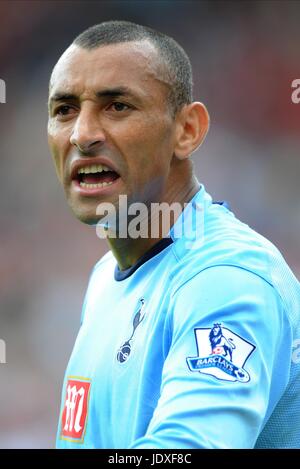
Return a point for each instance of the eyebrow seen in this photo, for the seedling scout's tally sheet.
(59, 96)
(113, 92)
(108, 92)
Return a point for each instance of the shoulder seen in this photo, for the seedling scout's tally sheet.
(102, 271)
(227, 257)
(226, 291)
(223, 240)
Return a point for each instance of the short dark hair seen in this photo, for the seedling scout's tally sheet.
(178, 69)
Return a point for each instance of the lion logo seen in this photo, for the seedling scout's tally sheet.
(218, 342)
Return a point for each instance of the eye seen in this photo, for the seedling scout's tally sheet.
(118, 106)
(63, 110)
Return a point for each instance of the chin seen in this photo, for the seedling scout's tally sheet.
(87, 219)
(86, 213)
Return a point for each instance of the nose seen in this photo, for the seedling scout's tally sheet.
(87, 134)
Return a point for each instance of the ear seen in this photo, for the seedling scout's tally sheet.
(192, 127)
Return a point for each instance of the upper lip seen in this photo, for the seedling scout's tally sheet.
(82, 163)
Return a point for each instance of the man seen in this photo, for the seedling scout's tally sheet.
(189, 337)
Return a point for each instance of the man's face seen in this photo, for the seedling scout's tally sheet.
(108, 107)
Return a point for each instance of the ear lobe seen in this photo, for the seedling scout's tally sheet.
(193, 124)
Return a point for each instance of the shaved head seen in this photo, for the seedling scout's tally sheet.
(170, 62)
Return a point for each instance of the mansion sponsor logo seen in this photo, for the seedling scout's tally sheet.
(75, 410)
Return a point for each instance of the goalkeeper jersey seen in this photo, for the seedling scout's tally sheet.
(195, 346)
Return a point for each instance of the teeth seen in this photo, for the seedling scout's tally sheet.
(94, 186)
(93, 169)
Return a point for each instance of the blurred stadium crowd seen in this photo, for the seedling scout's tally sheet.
(245, 56)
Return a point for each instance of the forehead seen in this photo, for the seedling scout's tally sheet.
(134, 64)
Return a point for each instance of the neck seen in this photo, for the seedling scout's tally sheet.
(128, 251)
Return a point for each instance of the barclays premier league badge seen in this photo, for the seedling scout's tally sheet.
(221, 353)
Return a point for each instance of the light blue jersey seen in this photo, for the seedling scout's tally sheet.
(196, 346)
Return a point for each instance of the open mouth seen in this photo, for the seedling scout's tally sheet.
(95, 176)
